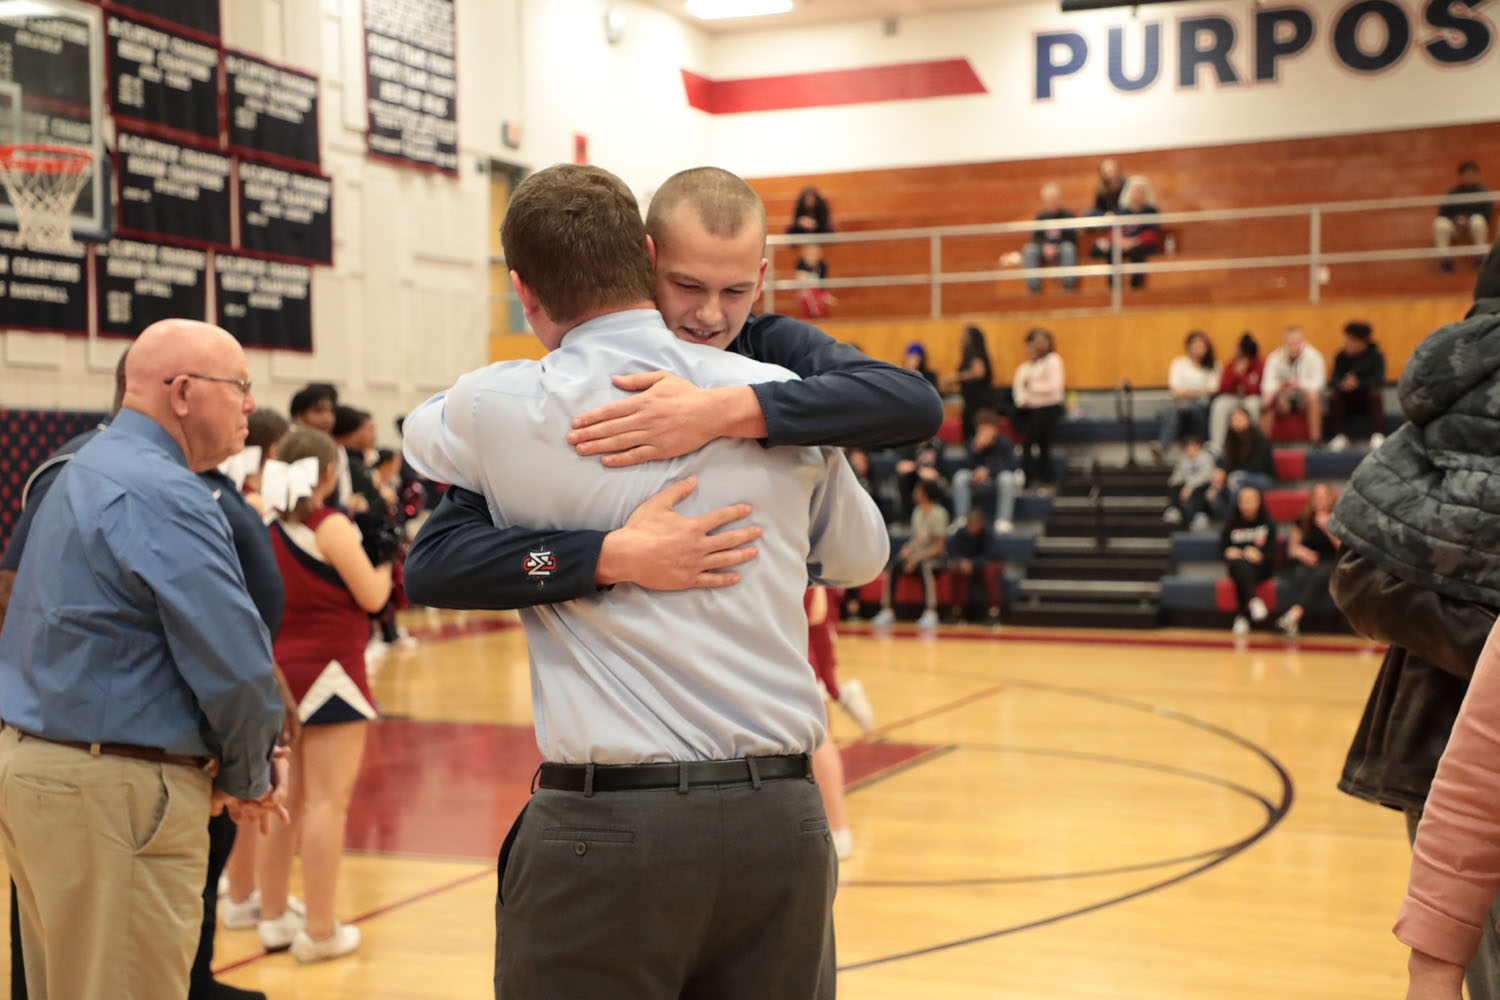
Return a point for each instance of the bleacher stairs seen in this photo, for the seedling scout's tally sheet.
(1102, 554)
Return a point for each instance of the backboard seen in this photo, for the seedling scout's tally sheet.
(52, 91)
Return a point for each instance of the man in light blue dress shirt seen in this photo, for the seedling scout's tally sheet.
(135, 683)
(676, 846)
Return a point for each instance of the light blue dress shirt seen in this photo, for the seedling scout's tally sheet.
(130, 622)
(631, 675)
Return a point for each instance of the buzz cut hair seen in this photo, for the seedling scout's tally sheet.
(722, 201)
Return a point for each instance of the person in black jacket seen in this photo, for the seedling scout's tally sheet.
(705, 285)
(1248, 544)
(1312, 551)
(975, 378)
(1052, 247)
(1357, 385)
(969, 556)
(1466, 218)
(1246, 460)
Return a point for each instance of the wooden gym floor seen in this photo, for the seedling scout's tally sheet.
(1039, 814)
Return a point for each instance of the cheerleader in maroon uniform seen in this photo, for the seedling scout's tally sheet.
(331, 590)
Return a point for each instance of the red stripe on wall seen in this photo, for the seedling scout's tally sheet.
(901, 82)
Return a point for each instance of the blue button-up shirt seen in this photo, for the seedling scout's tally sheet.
(130, 622)
(631, 675)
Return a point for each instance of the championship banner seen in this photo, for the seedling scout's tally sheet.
(141, 283)
(412, 82)
(272, 109)
(163, 78)
(264, 303)
(173, 191)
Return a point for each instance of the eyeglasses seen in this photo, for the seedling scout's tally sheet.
(242, 384)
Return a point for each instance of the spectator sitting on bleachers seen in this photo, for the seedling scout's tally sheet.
(915, 359)
(1038, 393)
(1246, 460)
(1107, 191)
(1293, 383)
(1239, 388)
(1052, 247)
(975, 378)
(1357, 385)
(1313, 550)
(811, 214)
(1188, 489)
(1248, 543)
(1470, 218)
(859, 461)
(925, 552)
(969, 554)
(922, 463)
(815, 300)
(994, 477)
(1193, 378)
(1138, 240)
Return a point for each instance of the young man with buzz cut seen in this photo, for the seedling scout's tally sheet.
(676, 727)
(708, 228)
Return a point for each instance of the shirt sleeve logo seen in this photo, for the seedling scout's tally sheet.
(540, 564)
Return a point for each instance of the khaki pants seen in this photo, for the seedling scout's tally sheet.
(1444, 229)
(109, 856)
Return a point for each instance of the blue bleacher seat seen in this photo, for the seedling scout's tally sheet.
(1195, 546)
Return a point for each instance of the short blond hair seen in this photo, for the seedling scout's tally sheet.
(723, 202)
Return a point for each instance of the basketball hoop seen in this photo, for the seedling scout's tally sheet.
(43, 182)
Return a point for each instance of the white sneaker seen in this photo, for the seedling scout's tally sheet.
(240, 916)
(1339, 443)
(1004, 527)
(929, 619)
(1241, 625)
(1258, 610)
(342, 941)
(852, 699)
(1376, 440)
(1201, 522)
(1287, 625)
(1172, 515)
(843, 843)
(278, 934)
(885, 617)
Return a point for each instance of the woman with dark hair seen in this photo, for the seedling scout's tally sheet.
(1038, 391)
(975, 379)
(1246, 461)
(811, 213)
(1239, 388)
(1193, 377)
(1107, 191)
(332, 588)
(1312, 551)
(915, 359)
(1248, 544)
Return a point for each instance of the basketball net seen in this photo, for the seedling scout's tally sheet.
(43, 182)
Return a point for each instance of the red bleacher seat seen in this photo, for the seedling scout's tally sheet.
(1289, 427)
(872, 592)
(1224, 594)
(1285, 505)
(1291, 464)
(952, 431)
(909, 590)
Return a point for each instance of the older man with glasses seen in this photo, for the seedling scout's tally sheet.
(135, 683)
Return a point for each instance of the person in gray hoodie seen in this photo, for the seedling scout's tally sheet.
(1420, 523)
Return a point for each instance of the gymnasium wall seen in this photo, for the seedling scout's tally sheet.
(1022, 80)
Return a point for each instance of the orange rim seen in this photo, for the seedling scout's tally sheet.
(43, 158)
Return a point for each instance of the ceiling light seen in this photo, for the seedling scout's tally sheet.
(714, 10)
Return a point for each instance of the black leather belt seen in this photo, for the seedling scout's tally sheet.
(590, 778)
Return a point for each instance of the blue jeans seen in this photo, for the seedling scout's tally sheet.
(1182, 418)
(1067, 256)
(997, 497)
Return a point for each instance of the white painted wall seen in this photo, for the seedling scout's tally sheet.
(403, 310)
(1314, 96)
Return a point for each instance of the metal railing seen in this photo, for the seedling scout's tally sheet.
(1315, 259)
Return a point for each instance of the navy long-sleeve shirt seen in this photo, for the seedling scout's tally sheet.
(461, 560)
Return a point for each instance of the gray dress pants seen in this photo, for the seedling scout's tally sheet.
(717, 892)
